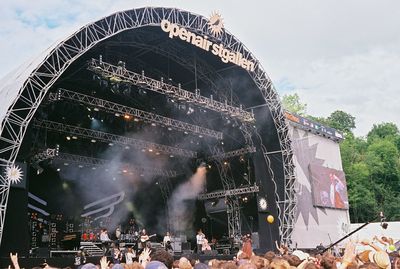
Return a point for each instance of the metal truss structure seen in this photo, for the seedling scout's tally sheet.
(55, 154)
(137, 113)
(232, 202)
(231, 192)
(120, 74)
(32, 84)
(234, 153)
(112, 138)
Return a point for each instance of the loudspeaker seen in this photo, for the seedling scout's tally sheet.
(16, 232)
(215, 206)
(185, 246)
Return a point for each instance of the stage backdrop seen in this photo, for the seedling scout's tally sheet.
(328, 187)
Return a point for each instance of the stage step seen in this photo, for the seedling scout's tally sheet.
(91, 248)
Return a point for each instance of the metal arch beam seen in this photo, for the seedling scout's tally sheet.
(120, 74)
(33, 90)
(140, 114)
(107, 137)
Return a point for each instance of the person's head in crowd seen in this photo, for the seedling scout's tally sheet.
(89, 266)
(134, 265)
(294, 260)
(368, 265)
(270, 255)
(279, 263)
(257, 261)
(243, 256)
(301, 255)
(201, 265)
(328, 261)
(228, 265)
(162, 256)
(175, 264)
(247, 266)
(380, 258)
(184, 263)
(155, 265)
(310, 265)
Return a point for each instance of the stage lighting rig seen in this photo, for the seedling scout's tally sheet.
(137, 114)
(95, 136)
(176, 92)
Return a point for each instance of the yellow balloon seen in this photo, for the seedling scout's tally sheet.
(270, 219)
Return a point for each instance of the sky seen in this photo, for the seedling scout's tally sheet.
(337, 55)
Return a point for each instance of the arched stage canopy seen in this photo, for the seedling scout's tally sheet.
(196, 47)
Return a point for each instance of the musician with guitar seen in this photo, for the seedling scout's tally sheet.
(144, 238)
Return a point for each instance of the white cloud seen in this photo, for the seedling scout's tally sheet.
(365, 85)
(337, 56)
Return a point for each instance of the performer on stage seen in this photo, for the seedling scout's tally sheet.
(247, 248)
(105, 240)
(199, 239)
(167, 242)
(118, 232)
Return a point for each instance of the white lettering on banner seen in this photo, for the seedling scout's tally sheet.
(202, 42)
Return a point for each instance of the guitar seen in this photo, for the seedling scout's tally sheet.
(205, 246)
(145, 238)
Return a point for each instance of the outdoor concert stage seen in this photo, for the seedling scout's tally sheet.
(110, 125)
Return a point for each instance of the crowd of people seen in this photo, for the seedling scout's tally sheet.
(379, 253)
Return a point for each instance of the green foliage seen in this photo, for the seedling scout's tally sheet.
(342, 121)
(291, 102)
(372, 168)
(383, 130)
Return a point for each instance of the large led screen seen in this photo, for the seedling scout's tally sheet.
(329, 187)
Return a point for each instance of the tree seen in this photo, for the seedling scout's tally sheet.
(383, 130)
(342, 121)
(291, 102)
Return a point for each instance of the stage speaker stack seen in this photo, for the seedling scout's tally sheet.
(16, 229)
(176, 244)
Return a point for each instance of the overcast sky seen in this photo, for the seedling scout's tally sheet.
(335, 54)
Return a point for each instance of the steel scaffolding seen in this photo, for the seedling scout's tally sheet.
(234, 153)
(140, 114)
(120, 74)
(112, 138)
(30, 93)
(226, 193)
(55, 154)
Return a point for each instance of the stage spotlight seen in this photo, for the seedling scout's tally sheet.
(58, 169)
(150, 150)
(74, 137)
(171, 156)
(68, 138)
(117, 114)
(93, 140)
(66, 164)
(96, 109)
(225, 163)
(111, 144)
(127, 117)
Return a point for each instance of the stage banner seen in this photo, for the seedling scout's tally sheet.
(329, 187)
